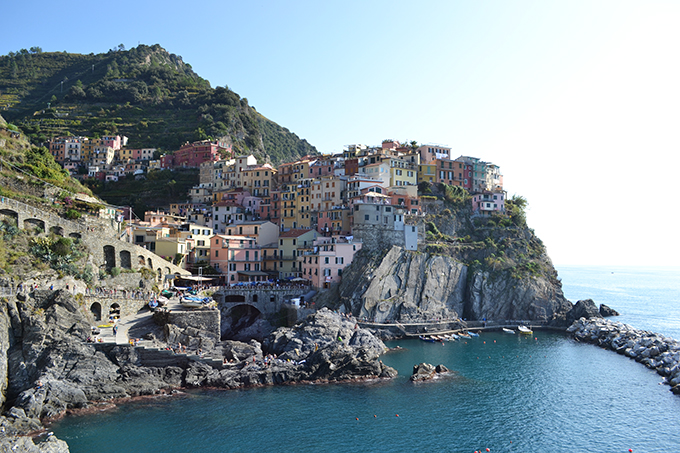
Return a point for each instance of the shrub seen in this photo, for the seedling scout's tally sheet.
(115, 271)
(72, 214)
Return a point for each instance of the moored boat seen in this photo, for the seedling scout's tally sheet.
(525, 330)
(508, 330)
(473, 334)
(428, 339)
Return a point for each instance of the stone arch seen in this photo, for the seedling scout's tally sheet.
(109, 257)
(150, 263)
(167, 271)
(33, 224)
(237, 318)
(75, 235)
(59, 231)
(140, 260)
(159, 274)
(96, 310)
(114, 310)
(9, 216)
(234, 298)
(125, 260)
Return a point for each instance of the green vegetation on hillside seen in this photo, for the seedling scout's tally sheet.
(145, 93)
(159, 188)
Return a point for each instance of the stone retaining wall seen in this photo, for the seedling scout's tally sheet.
(653, 350)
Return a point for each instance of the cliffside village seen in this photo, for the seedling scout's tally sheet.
(303, 221)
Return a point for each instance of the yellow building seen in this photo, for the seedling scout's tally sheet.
(258, 179)
(290, 244)
(427, 173)
(303, 218)
(288, 206)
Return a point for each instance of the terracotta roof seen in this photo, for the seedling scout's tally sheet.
(293, 233)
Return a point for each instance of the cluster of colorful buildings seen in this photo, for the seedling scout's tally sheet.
(108, 158)
(304, 220)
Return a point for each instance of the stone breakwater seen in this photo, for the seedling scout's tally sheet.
(653, 350)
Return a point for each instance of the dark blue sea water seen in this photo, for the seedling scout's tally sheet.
(507, 393)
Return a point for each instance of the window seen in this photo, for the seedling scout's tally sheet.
(326, 260)
(217, 253)
(366, 217)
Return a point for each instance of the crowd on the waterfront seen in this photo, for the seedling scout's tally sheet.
(113, 293)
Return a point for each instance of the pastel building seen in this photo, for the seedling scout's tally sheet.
(290, 242)
(488, 202)
(430, 152)
(238, 258)
(324, 261)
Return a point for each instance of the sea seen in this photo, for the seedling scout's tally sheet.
(506, 393)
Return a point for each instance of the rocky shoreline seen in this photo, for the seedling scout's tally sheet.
(653, 350)
(53, 370)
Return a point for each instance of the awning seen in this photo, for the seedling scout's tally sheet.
(195, 279)
(253, 273)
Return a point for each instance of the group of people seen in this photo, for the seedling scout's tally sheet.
(118, 293)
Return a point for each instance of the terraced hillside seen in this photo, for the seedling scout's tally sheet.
(145, 93)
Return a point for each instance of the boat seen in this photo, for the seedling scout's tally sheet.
(508, 330)
(473, 334)
(463, 335)
(194, 302)
(428, 339)
(525, 330)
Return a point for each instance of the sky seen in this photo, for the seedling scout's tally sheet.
(577, 101)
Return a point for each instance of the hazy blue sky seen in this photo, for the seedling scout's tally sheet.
(576, 101)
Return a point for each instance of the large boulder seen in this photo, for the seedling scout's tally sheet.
(425, 372)
(606, 311)
(583, 309)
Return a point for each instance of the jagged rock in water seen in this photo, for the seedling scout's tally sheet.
(606, 311)
(583, 309)
(425, 372)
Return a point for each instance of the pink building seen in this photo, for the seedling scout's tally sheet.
(488, 202)
(116, 142)
(334, 221)
(238, 258)
(323, 263)
(192, 155)
(143, 154)
(321, 167)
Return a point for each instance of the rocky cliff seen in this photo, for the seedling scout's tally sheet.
(468, 268)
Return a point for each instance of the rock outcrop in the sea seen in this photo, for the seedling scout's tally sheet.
(583, 309)
(606, 311)
(425, 372)
(655, 351)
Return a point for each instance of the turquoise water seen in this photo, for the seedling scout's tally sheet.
(647, 297)
(507, 393)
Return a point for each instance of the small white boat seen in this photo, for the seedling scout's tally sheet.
(463, 335)
(508, 330)
(525, 330)
(473, 334)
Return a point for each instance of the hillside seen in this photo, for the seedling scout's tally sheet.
(145, 93)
